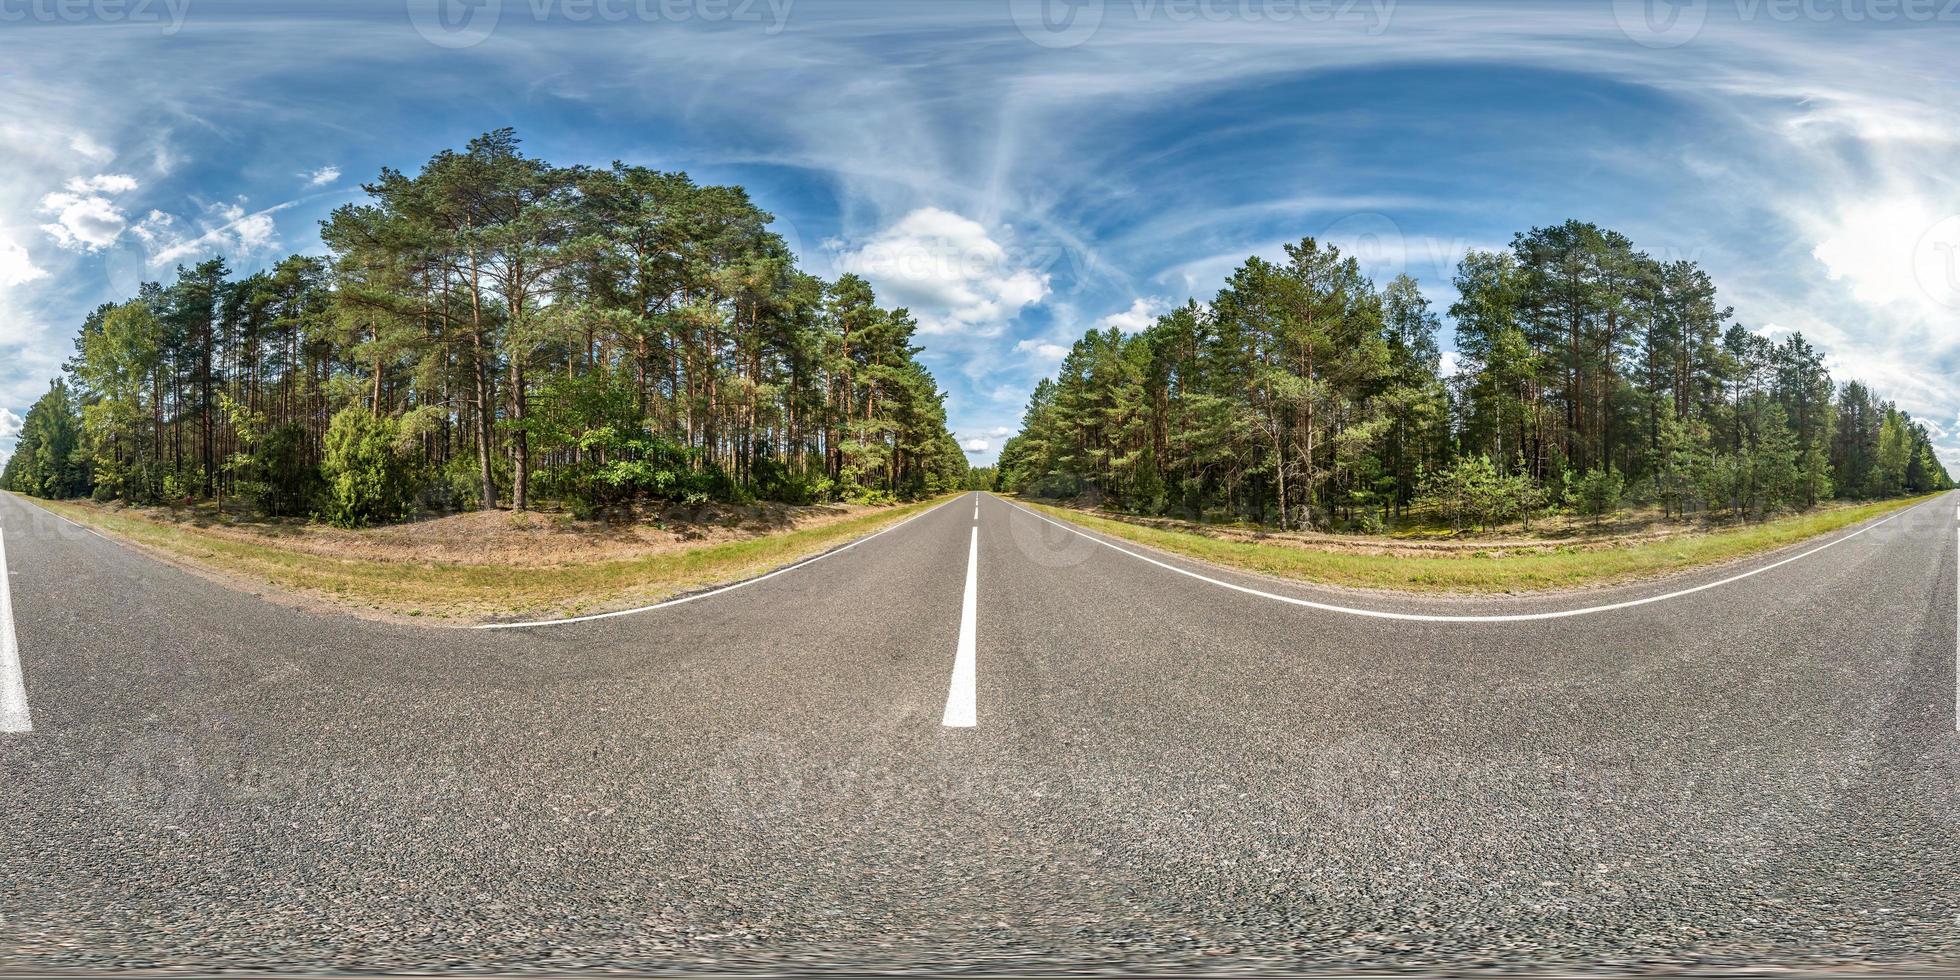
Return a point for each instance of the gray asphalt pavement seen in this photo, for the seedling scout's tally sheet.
(1164, 774)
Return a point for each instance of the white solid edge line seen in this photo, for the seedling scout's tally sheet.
(962, 709)
(14, 716)
(683, 600)
(1426, 618)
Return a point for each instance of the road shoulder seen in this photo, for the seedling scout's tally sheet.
(458, 594)
(1433, 582)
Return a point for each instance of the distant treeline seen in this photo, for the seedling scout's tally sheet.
(497, 330)
(1589, 374)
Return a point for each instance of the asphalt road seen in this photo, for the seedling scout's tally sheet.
(1161, 773)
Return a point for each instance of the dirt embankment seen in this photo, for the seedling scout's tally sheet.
(500, 537)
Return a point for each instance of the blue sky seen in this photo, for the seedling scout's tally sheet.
(1016, 180)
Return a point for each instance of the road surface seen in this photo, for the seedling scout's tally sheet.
(1146, 769)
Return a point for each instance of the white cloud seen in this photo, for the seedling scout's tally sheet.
(1139, 317)
(1000, 431)
(84, 218)
(1451, 364)
(949, 271)
(322, 177)
(10, 425)
(976, 445)
(227, 229)
(82, 144)
(102, 183)
(1042, 350)
(1872, 247)
(16, 266)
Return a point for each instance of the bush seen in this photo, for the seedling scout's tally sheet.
(458, 485)
(774, 481)
(869, 497)
(1471, 491)
(617, 467)
(369, 479)
(1598, 492)
(275, 475)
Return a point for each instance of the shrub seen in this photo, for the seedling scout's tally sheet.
(368, 478)
(458, 484)
(774, 481)
(275, 475)
(1471, 491)
(1599, 491)
(870, 497)
(618, 466)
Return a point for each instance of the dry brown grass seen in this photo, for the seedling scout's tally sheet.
(478, 567)
(529, 539)
(1562, 532)
(1484, 566)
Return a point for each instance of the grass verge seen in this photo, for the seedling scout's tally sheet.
(471, 593)
(1482, 573)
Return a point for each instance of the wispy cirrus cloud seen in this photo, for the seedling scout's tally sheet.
(226, 229)
(1795, 160)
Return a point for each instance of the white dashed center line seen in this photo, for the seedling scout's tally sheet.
(961, 708)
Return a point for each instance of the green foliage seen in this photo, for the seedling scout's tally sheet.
(48, 460)
(522, 329)
(277, 475)
(1586, 371)
(368, 477)
(1598, 492)
(274, 469)
(642, 466)
(1472, 491)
